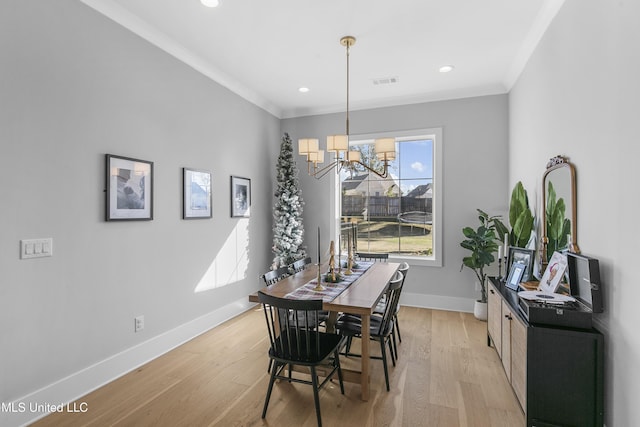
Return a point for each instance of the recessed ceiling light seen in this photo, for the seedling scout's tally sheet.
(303, 89)
(210, 3)
(446, 68)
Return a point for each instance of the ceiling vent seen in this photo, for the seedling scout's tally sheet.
(385, 81)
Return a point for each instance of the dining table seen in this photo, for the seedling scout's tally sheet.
(359, 297)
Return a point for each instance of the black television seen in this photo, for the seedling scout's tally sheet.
(584, 280)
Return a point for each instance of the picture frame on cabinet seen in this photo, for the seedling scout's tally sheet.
(515, 276)
(129, 189)
(554, 273)
(522, 256)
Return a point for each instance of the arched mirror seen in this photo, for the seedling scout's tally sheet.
(559, 230)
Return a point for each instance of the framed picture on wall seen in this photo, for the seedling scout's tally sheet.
(197, 201)
(240, 197)
(129, 189)
(522, 256)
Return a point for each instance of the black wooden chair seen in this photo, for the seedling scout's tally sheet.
(300, 264)
(296, 340)
(381, 326)
(404, 269)
(272, 276)
(372, 256)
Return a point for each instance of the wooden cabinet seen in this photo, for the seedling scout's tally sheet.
(505, 332)
(556, 373)
(494, 317)
(509, 335)
(519, 359)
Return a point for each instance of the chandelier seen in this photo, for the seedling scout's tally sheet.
(385, 148)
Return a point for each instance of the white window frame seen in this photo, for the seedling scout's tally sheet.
(434, 134)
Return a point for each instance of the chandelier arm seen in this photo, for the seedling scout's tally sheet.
(325, 170)
(384, 174)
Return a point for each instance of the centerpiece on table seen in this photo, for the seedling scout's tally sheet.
(332, 275)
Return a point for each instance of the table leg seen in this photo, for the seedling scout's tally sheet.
(364, 379)
(331, 322)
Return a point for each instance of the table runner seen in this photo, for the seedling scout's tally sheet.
(331, 290)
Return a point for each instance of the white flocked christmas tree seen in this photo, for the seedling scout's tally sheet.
(288, 230)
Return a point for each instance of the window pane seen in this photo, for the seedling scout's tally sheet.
(393, 214)
(416, 218)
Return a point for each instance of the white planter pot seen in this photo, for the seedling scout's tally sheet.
(480, 310)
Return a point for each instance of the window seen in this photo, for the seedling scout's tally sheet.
(399, 214)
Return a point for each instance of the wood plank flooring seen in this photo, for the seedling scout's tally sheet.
(445, 376)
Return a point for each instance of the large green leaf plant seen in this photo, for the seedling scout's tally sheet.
(520, 217)
(558, 227)
(483, 243)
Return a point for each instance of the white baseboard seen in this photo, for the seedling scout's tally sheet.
(73, 387)
(437, 302)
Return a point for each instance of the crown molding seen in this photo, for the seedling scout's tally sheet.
(547, 13)
(159, 39)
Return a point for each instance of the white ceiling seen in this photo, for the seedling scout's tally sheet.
(265, 50)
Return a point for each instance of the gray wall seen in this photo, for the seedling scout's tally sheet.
(74, 86)
(579, 96)
(475, 176)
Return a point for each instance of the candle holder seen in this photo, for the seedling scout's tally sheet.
(332, 262)
(348, 272)
(319, 286)
(506, 269)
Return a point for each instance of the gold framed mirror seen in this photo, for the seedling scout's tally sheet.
(559, 209)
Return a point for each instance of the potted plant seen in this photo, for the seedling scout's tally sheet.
(483, 243)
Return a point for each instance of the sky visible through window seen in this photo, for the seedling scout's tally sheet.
(412, 167)
(415, 161)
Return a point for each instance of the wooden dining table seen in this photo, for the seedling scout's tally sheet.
(361, 297)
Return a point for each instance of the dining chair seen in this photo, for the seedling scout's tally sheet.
(272, 276)
(404, 269)
(296, 340)
(300, 264)
(372, 256)
(381, 327)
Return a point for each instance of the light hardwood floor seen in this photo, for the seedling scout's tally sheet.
(445, 376)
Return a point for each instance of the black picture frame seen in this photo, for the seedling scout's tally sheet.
(197, 198)
(240, 197)
(522, 256)
(515, 276)
(129, 189)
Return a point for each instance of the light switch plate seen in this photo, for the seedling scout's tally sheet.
(36, 248)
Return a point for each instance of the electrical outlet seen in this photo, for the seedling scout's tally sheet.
(139, 323)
